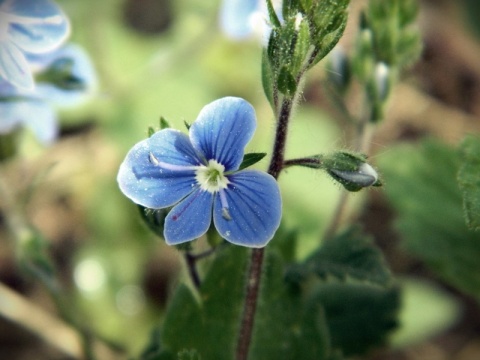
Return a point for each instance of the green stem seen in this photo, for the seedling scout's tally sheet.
(362, 144)
(310, 162)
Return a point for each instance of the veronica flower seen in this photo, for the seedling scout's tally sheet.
(240, 19)
(28, 27)
(66, 78)
(199, 176)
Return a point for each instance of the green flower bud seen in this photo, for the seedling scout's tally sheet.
(351, 170)
(382, 81)
(339, 68)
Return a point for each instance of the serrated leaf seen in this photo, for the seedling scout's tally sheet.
(348, 277)
(208, 322)
(422, 187)
(350, 255)
(469, 180)
(285, 326)
(251, 159)
(359, 316)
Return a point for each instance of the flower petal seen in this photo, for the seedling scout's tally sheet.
(14, 67)
(35, 25)
(30, 8)
(235, 17)
(149, 185)
(190, 219)
(36, 115)
(254, 206)
(222, 130)
(41, 119)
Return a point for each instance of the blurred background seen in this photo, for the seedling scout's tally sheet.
(169, 58)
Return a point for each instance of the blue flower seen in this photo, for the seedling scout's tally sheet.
(67, 79)
(28, 27)
(198, 175)
(236, 17)
(239, 19)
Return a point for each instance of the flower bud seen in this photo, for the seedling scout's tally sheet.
(351, 170)
(339, 71)
(381, 80)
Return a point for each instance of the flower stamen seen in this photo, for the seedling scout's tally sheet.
(223, 200)
(212, 177)
(154, 160)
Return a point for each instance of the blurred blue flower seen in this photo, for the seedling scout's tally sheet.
(198, 175)
(239, 19)
(66, 78)
(28, 27)
(236, 17)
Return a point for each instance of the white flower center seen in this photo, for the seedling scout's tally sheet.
(211, 177)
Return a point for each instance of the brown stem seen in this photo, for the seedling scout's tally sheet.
(250, 306)
(257, 255)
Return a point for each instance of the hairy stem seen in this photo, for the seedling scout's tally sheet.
(257, 255)
(362, 145)
(191, 261)
(305, 162)
(250, 306)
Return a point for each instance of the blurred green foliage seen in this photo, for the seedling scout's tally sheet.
(469, 180)
(422, 186)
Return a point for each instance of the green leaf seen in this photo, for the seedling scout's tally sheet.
(208, 321)
(154, 218)
(189, 355)
(349, 278)
(359, 316)
(302, 47)
(286, 327)
(469, 180)
(286, 82)
(267, 78)
(251, 159)
(350, 255)
(327, 42)
(150, 131)
(422, 187)
(34, 257)
(164, 124)
(273, 15)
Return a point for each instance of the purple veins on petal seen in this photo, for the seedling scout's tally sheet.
(255, 208)
(190, 218)
(149, 185)
(223, 129)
